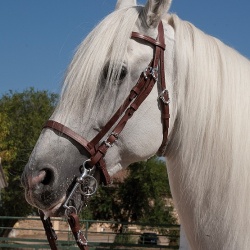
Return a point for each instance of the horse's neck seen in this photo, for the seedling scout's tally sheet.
(208, 163)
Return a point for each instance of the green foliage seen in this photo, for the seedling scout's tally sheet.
(104, 206)
(21, 118)
(124, 239)
(141, 197)
(145, 191)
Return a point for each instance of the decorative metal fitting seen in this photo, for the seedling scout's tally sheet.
(81, 238)
(152, 71)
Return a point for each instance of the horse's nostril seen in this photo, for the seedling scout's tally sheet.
(48, 177)
(37, 179)
(44, 177)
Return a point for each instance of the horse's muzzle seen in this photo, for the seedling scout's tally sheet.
(42, 188)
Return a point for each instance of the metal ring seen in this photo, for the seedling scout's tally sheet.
(95, 186)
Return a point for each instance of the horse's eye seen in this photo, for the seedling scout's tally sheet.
(123, 73)
(105, 71)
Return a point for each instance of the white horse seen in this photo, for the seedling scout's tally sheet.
(209, 136)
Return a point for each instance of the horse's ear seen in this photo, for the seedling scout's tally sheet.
(154, 10)
(125, 3)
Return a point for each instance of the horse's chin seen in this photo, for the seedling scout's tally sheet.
(55, 210)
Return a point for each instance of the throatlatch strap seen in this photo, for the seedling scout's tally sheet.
(164, 96)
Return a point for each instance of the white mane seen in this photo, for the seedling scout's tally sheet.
(212, 134)
(103, 45)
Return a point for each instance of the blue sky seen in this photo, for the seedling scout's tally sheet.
(38, 38)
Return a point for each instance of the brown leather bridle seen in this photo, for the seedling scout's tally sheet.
(98, 146)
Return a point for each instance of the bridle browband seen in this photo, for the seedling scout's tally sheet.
(98, 146)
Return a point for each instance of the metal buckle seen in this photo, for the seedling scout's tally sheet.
(107, 143)
(161, 96)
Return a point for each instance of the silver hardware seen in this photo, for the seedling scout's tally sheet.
(88, 182)
(115, 135)
(107, 143)
(152, 71)
(89, 186)
(69, 210)
(161, 96)
(81, 236)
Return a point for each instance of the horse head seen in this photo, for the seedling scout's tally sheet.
(106, 66)
(207, 156)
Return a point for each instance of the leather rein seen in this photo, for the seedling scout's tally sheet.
(98, 146)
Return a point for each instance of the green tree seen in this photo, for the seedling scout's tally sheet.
(21, 118)
(140, 198)
(143, 194)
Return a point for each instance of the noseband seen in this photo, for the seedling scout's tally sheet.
(98, 146)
